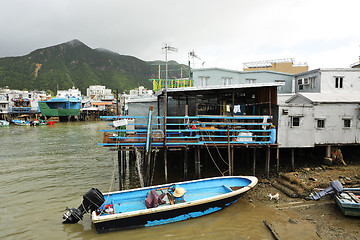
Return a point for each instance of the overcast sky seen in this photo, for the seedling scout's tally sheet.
(223, 33)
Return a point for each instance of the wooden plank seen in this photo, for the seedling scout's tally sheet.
(354, 197)
(272, 230)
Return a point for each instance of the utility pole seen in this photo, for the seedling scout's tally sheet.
(167, 48)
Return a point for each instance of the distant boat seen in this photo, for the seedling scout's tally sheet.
(4, 123)
(158, 205)
(20, 122)
(60, 107)
(349, 201)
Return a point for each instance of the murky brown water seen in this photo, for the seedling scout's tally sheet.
(45, 169)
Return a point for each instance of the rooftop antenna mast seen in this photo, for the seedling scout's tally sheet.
(193, 55)
(167, 49)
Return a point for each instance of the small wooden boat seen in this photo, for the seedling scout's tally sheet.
(349, 201)
(4, 123)
(20, 122)
(162, 204)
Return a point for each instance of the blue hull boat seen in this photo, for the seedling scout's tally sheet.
(349, 201)
(130, 208)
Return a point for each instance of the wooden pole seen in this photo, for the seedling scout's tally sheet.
(119, 168)
(277, 159)
(229, 151)
(197, 163)
(185, 163)
(254, 161)
(165, 164)
(292, 159)
(267, 162)
(148, 146)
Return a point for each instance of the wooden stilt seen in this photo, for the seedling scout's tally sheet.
(185, 163)
(292, 159)
(232, 161)
(277, 159)
(119, 168)
(254, 161)
(165, 164)
(197, 163)
(267, 162)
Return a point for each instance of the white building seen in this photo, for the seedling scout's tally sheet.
(98, 92)
(71, 93)
(324, 110)
(315, 119)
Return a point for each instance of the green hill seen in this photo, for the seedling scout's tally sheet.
(75, 64)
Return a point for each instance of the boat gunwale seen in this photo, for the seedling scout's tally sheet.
(352, 205)
(253, 181)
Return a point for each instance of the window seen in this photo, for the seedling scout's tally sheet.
(320, 123)
(204, 81)
(226, 81)
(295, 122)
(339, 82)
(250, 81)
(280, 88)
(347, 123)
(312, 82)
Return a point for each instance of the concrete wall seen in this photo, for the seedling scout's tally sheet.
(216, 76)
(325, 80)
(308, 134)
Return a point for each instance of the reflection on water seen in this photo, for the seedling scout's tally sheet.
(45, 169)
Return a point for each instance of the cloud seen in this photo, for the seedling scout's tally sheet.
(222, 33)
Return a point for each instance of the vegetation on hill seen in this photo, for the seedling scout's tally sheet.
(75, 64)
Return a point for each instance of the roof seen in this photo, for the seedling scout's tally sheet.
(239, 72)
(329, 70)
(219, 87)
(327, 97)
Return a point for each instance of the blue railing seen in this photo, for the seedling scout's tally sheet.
(194, 130)
(24, 110)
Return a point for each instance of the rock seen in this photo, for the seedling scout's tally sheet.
(341, 180)
(293, 221)
(313, 179)
(307, 169)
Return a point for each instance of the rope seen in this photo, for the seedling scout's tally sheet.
(222, 173)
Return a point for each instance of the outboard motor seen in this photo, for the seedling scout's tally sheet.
(335, 187)
(92, 200)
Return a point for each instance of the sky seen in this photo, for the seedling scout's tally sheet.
(222, 33)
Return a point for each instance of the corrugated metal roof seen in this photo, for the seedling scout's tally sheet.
(220, 87)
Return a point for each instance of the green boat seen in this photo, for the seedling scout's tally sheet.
(60, 107)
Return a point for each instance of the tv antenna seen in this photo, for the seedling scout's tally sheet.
(167, 49)
(193, 55)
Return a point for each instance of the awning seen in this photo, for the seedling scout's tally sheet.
(101, 103)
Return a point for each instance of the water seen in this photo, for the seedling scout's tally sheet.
(45, 169)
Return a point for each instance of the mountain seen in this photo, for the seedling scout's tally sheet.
(75, 64)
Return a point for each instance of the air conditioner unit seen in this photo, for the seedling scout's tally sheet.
(306, 81)
(300, 81)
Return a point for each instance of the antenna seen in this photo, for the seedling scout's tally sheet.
(168, 48)
(193, 55)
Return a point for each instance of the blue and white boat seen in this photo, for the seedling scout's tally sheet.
(162, 204)
(349, 201)
(4, 123)
(20, 122)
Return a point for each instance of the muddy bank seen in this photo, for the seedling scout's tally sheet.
(321, 219)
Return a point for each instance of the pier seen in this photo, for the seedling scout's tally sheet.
(196, 127)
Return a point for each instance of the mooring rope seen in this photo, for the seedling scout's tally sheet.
(222, 173)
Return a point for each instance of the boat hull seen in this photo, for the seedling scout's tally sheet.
(347, 205)
(168, 214)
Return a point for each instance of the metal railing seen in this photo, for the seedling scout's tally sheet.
(194, 130)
